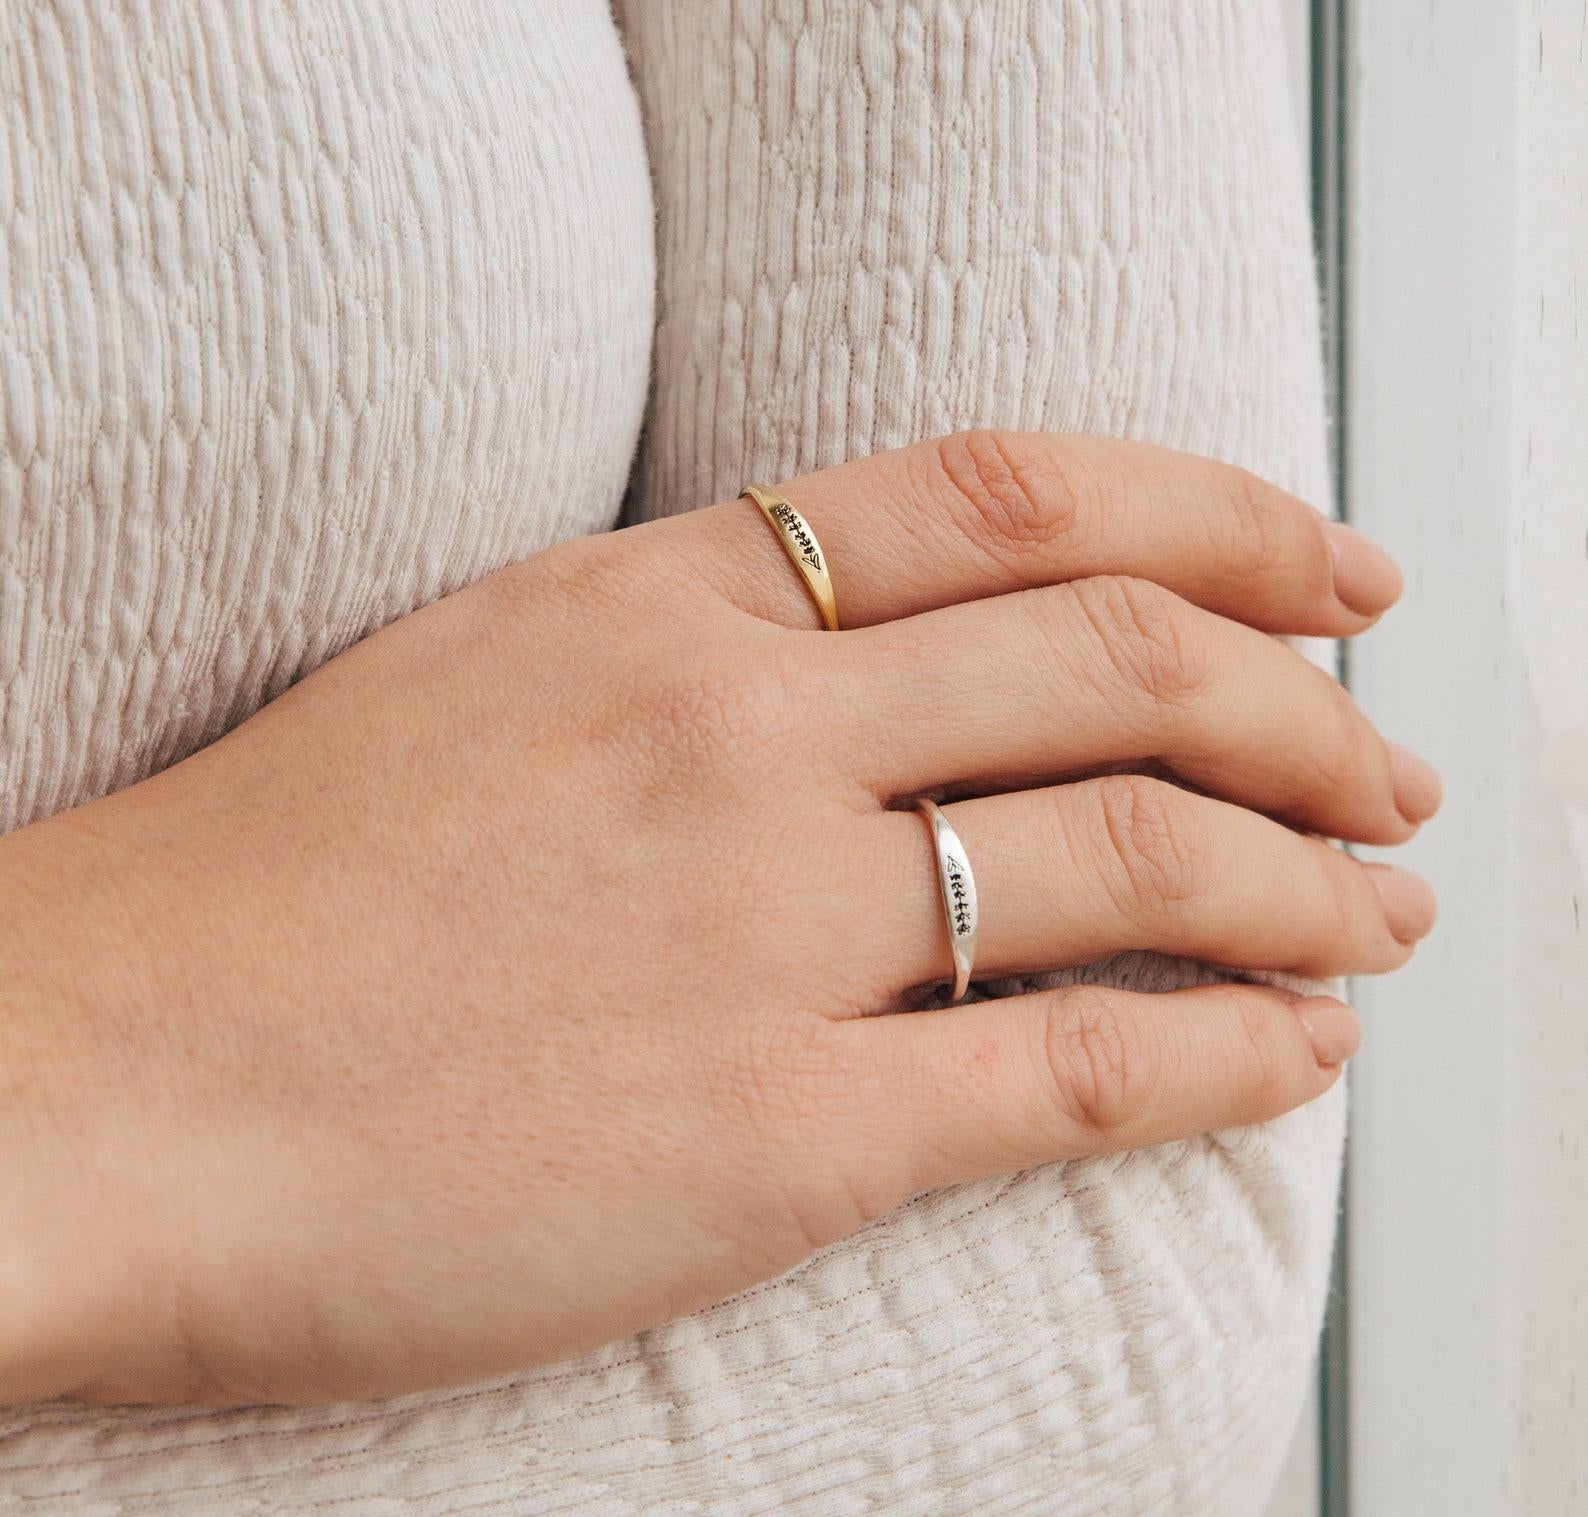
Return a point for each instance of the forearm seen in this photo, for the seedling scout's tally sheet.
(80, 948)
(163, 953)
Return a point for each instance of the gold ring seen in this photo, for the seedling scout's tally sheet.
(799, 542)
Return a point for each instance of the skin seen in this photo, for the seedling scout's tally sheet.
(537, 970)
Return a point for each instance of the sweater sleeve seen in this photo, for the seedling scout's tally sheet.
(880, 222)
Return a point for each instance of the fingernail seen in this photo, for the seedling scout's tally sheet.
(1418, 790)
(1332, 1025)
(1366, 578)
(1409, 904)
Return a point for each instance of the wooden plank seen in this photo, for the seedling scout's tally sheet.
(1297, 1493)
(1467, 385)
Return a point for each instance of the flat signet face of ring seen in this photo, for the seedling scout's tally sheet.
(793, 525)
(803, 550)
(960, 897)
(958, 887)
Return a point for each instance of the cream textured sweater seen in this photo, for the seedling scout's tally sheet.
(312, 312)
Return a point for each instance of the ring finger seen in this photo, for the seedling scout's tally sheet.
(1074, 873)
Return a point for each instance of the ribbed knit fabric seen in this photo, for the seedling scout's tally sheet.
(309, 314)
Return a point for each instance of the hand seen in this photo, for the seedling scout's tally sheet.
(511, 984)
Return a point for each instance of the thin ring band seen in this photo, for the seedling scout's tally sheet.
(799, 542)
(958, 887)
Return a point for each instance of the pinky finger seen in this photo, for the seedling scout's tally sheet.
(1063, 1074)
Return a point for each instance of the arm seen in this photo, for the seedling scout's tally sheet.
(459, 1010)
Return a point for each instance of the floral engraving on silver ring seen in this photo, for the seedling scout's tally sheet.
(957, 885)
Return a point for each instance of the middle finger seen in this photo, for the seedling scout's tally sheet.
(1053, 682)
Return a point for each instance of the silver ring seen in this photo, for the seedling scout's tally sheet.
(958, 886)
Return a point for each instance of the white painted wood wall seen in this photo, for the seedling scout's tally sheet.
(1466, 452)
(1299, 1491)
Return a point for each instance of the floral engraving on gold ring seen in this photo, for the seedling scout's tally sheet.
(794, 525)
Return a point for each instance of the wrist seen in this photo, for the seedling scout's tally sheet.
(75, 981)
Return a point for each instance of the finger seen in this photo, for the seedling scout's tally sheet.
(1108, 670)
(1064, 1074)
(1071, 874)
(983, 513)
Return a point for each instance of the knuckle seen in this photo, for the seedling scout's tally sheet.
(596, 575)
(1346, 748)
(1014, 493)
(1149, 837)
(1265, 1082)
(1355, 911)
(1148, 634)
(706, 718)
(511, 602)
(1259, 538)
(1336, 757)
(1342, 912)
(1097, 1067)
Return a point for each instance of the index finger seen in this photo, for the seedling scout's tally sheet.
(982, 513)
